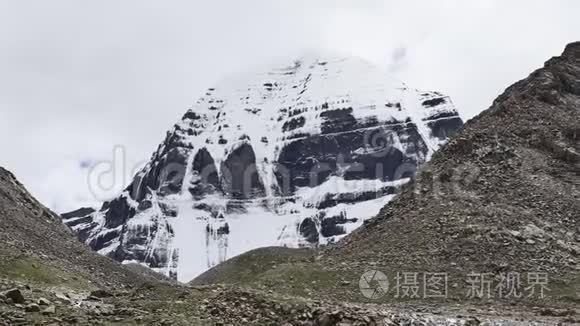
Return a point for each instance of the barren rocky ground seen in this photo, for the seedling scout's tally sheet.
(155, 304)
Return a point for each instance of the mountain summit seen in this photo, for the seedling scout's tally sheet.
(297, 155)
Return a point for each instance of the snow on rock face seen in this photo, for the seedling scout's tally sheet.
(295, 156)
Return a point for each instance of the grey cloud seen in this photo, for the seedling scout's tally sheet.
(78, 78)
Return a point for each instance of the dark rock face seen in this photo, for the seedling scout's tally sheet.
(434, 102)
(240, 178)
(309, 230)
(310, 161)
(333, 225)
(118, 208)
(169, 171)
(331, 200)
(206, 179)
(339, 120)
(293, 153)
(81, 212)
(446, 127)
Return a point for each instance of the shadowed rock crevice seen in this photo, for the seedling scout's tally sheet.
(239, 175)
(205, 176)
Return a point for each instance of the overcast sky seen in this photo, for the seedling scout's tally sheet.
(79, 77)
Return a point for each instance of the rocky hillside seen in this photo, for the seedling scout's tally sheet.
(36, 247)
(294, 156)
(502, 197)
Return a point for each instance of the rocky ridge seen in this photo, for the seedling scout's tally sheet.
(36, 244)
(501, 198)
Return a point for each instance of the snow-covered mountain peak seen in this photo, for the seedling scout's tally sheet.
(294, 155)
